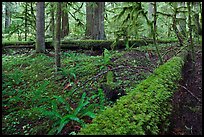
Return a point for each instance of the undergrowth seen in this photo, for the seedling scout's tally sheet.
(35, 101)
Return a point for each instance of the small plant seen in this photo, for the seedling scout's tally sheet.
(106, 57)
(66, 113)
(109, 78)
(69, 73)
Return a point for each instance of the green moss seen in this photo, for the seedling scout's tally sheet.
(144, 109)
(87, 44)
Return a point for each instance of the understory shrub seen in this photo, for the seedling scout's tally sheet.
(145, 109)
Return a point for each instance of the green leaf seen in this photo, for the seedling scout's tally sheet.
(90, 114)
(62, 124)
(66, 120)
(81, 104)
(63, 101)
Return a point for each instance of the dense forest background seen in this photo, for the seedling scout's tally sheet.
(112, 19)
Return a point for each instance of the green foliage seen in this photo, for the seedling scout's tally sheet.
(142, 110)
(106, 57)
(62, 113)
(127, 23)
(101, 99)
(109, 78)
(70, 73)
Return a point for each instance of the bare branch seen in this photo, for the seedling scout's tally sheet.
(190, 92)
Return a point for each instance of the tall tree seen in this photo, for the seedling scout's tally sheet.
(7, 15)
(52, 26)
(95, 20)
(57, 38)
(65, 20)
(155, 31)
(150, 16)
(196, 7)
(40, 27)
(191, 47)
(26, 20)
(181, 19)
(180, 37)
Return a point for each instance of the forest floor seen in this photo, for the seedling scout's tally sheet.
(29, 85)
(186, 117)
(25, 76)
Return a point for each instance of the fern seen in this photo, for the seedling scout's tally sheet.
(109, 78)
(66, 120)
(106, 57)
(63, 101)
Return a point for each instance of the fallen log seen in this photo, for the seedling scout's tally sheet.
(84, 44)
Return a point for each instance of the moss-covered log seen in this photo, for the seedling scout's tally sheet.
(84, 44)
(145, 110)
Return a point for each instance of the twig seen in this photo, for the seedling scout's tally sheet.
(190, 92)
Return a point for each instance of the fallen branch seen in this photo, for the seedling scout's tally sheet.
(190, 93)
(20, 46)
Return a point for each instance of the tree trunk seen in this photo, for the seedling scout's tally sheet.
(57, 38)
(89, 20)
(65, 21)
(191, 47)
(150, 17)
(182, 20)
(177, 32)
(95, 20)
(40, 27)
(196, 18)
(7, 16)
(26, 20)
(155, 32)
(52, 26)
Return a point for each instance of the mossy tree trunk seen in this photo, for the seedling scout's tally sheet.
(40, 27)
(197, 19)
(177, 32)
(191, 47)
(26, 20)
(57, 38)
(155, 32)
(150, 16)
(181, 19)
(65, 20)
(52, 26)
(7, 16)
(95, 20)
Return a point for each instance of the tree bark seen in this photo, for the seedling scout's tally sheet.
(196, 18)
(7, 16)
(191, 47)
(150, 16)
(26, 20)
(177, 32)
(95, 20)
(40, 27)
(52, 26)
(57, 38)
(155, 32)
(65, 20)
(182, 20)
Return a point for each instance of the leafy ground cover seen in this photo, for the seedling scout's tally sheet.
(37, 101)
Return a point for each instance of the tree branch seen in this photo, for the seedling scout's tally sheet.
(190, 93)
